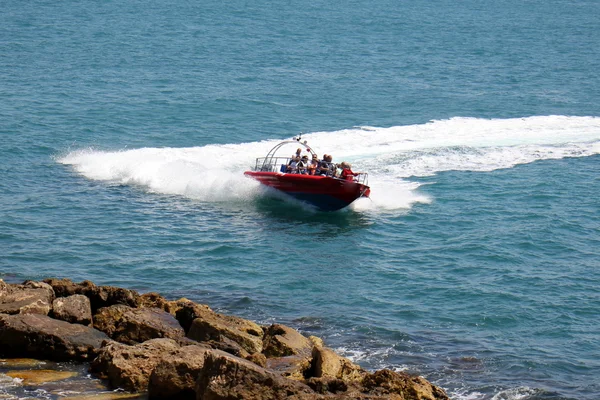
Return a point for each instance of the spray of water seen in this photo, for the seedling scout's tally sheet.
(394, 157)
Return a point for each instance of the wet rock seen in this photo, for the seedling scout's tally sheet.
(28, 298)
(129, 367)
(228, 377)
(210, 326)
(39, 336)
(407, 387)
(174, 377)
(39, 376)
(130, 325)
(280, 341)
(75, 309)
(100, 296)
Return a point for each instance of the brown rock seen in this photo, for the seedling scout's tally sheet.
(129, 367)
(386, 382)
(174, 377)
(28, 298)
(293, 367)
(281, 341)
(216, 327)
(136, 325)
(188, 311)
(39, 336)
(100, 296)
(75, 309)
(108, 319)
(4, 288)
(228, 377)
(327, 363)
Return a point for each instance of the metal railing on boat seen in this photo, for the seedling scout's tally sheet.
(279, 164)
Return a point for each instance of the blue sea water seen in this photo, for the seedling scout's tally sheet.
(126, 128)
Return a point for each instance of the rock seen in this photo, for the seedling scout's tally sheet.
(293, 367)
(130, 325)
(386, 382)
(326, 363)
(280, 341)
(39, 336)
(228, 377)
(129, 367)
(75, 309)
(108, 319)
(155, 300)
(174, 377)
(329, 385)
(100, 296)
(38, 376)
(28, 298)
(188, 311)
(4, 288)
(209, 326)
(258, 359)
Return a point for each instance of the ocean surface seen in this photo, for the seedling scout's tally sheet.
(126, 126)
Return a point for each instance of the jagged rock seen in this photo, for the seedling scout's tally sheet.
(326, 363)
(385, 382)
(188, 311)
(39, 336)
(174, 377)
(155, 300)
(108, 319)
(75, 309)
(4, 288)
(294, 367)
(228, 377)
(209, 326)
(130, 325)
(280, 341)
(100, 296)
(327, 385)
(258, 359)
(29, 298)
(129, 367)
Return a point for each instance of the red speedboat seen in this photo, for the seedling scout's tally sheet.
(325, 191)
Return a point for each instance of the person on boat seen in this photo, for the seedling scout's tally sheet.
(292, 166)
(313, 165)
(323, 168)
(302, 165)
(347, 173)
(298, 151)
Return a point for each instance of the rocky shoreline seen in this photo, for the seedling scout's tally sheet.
(163, 349)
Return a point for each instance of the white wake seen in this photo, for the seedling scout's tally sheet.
(214, 173)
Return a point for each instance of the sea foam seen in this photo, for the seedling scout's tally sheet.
(394, 157)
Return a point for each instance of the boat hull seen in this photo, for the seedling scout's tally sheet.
(324, 192)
